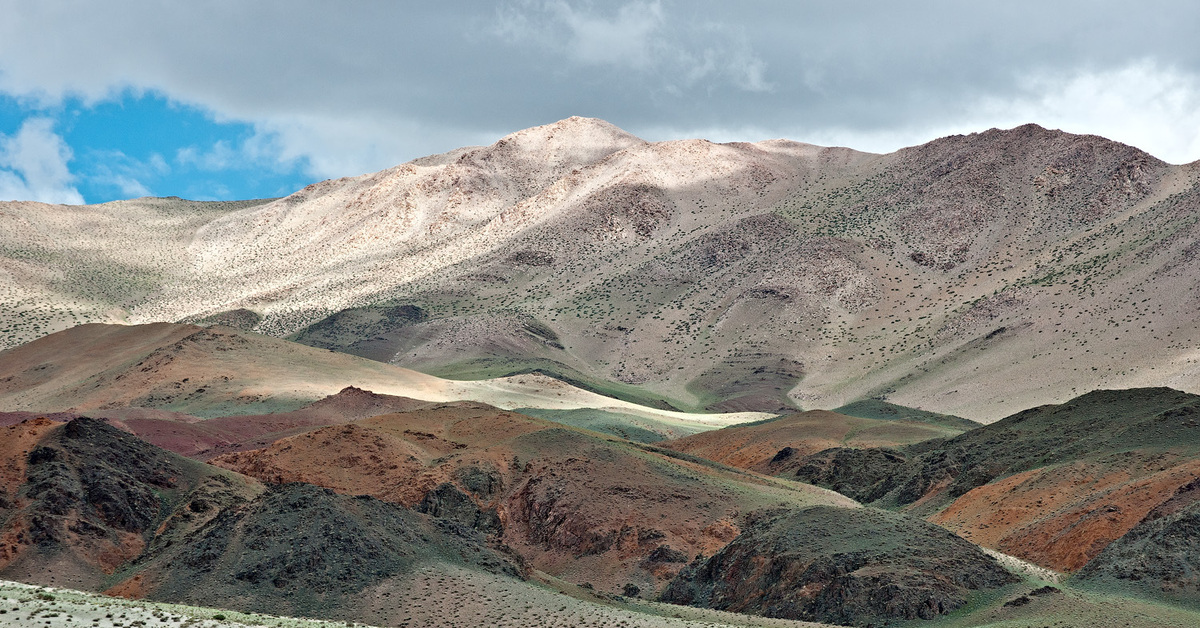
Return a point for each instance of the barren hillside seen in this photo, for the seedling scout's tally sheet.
(219, 371)
(736, 276)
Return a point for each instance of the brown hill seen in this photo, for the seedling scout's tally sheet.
(88, 506)
(777, 446)
(205, 438)
(83, 498)
(726, 276)
(578, 505)
(1054, 485)
(221, 371)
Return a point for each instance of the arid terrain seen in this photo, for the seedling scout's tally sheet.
(578, 378)
(766, 276)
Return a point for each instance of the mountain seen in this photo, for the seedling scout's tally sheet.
(843, 566)
(975, 275)
(88, 506)
(303, 550)
(83, 498)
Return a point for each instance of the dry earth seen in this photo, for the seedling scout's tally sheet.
(578, 505)
(974, 275)
(220, 371)
(775, 446)
(473, 601)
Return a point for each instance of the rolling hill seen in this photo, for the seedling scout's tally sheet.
(220, 371)
(777, 446)
(579, 505)
(1054, 485)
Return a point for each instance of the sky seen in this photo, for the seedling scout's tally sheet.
(222, 100)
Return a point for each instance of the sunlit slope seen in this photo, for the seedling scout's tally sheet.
(778, 446)
(216, 371)
(768, 276)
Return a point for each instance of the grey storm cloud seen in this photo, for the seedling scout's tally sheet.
(358, 86)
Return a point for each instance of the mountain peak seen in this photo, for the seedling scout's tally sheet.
(573, 140)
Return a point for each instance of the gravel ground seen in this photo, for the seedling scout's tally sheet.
(29, 606)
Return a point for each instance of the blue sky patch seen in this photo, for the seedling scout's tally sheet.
(146, 145)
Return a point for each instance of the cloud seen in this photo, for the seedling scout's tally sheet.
(328, 146)
(638, 36)
(33, 165)
(113, 169)
(368, 85)
(1144, 104)
(628, 38)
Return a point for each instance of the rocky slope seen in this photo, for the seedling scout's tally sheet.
(850, 567)
(728, 276)
(1054, 485)
(89, 506)
(303, 550)
(1157, 557)
(83, 498)
(579, 505)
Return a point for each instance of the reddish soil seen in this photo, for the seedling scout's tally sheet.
(1063, 516)
(206, 438)
(8, 419)
(578, 506)
(16, 441)
(755, 446)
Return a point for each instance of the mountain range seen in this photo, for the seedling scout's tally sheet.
(685, 274)
(575, 377)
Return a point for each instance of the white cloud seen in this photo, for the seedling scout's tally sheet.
(33, 165)
(1143, 104)
(220, 156)
(329, 146)
(115, 169)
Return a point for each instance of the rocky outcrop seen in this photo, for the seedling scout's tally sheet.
(1157, 557)
(302, 549)
(854, 566)
(101, 496)
(862, 474)
(447, 502)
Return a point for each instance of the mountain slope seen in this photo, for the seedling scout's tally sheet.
(218, 371)
(1054, 485)
(579, 505)
(849, 567)
(303, 550)
(735, 276)
(83, 498)
(778, 446)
